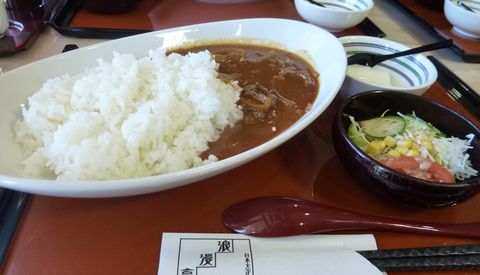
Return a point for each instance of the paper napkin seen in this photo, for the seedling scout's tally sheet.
(232, 254)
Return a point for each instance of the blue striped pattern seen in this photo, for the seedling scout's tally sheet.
(345, 5)
(417, 69)
(473, 4)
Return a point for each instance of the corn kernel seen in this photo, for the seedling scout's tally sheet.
(415, 146)
(405, 143)
(402, 150)
(393, 153)
(376, 147)
(390, 141)
(412, 153)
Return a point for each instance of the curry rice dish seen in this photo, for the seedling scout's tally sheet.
(136, 117)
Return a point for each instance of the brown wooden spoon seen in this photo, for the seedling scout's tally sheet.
(285, 216)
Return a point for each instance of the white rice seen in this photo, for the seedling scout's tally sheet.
(127, 118)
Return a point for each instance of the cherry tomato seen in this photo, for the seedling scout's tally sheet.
(420, 168)
(440, 173)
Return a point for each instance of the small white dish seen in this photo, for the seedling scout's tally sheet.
(326, 55)
(334, 15)
(413, 74)
(465, 22)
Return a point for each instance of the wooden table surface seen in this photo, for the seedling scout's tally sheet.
(123, 235)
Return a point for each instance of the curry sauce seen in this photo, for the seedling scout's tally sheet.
(278, 87)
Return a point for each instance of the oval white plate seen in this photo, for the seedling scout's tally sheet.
(327, 56)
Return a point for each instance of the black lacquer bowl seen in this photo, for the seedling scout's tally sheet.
(388, 182)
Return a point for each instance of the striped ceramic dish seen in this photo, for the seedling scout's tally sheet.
(357, 5)
(413, 73)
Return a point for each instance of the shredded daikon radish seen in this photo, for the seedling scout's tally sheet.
(453, 151)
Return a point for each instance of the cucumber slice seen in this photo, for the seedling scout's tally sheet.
(381, 127)
(357, 137)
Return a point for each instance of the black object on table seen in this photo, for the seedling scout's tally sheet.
(457, 88)
(443, 258)
(12, 204)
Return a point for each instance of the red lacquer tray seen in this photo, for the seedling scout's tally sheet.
(123, 235)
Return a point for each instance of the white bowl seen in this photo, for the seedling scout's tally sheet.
(464, 22)
(327, 57)
(337, 15)
(413, 74)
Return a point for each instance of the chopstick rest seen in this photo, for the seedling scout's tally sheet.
(461, 257)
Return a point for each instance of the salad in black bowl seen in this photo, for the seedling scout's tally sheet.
(408, 147)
